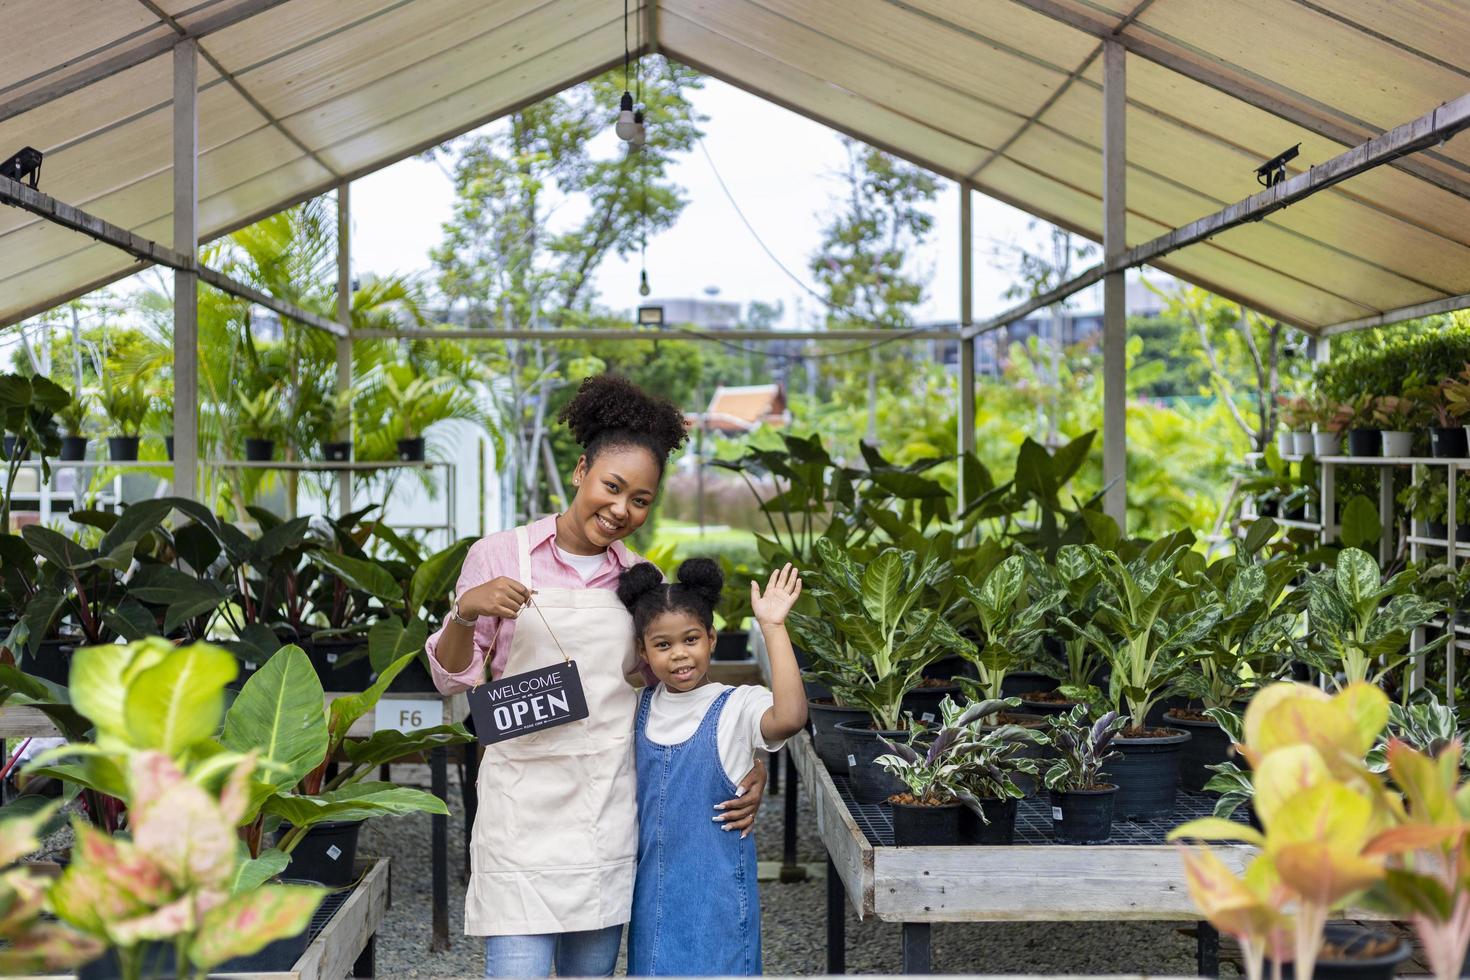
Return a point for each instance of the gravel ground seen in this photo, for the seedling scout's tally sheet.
(793, 918)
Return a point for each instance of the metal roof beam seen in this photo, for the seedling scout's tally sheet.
(19, 195)
(96, 72)
(1447, 305)
(654, 334)
(1237, 87)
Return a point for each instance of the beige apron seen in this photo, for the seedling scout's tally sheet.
(555, 841)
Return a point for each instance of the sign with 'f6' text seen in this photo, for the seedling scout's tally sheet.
(529, 702)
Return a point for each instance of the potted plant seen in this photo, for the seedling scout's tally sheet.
(1153, 622)
(1009, 620)
(1081, 798)
(1456, 395)
(1446, 433)
(27, 415)
(870, 644)
(1069, 648)
(1331, 419)
(260, 416)
(1000, 765)
(1296, 416)
(1364, 436)
(417, 403)
(125, 403)
(334, 418)
(928, 812)
(74, 416)
(1398, 417)
(732, 640)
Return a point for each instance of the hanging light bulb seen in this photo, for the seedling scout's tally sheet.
(640, 133)
(626, 123)
(643, 289)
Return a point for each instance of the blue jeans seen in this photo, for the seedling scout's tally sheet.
(577, 954)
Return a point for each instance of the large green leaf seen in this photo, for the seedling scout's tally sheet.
(251, 873)
(436, 576)
(390, 744)
(1361, 526)
(1357, 577)
(389, 640)
(117, 545)
(350, 707)
(281, 712)
(882, 583)
(56, 548)
(179, 702)
(359, 801)
(361, 574)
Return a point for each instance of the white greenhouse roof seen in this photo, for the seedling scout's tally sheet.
(296, 95)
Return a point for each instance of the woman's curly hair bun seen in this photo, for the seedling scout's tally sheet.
(703, 577)
(609, 410)
(637, 581)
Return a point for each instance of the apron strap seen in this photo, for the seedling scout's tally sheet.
(523, 547)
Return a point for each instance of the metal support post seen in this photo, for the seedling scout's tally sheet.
(966, 392)
(918, 947)
(1115, 312)
(344, 345)
(1207, 950)
(439, 844)
(186, 283)
(790, 870)
(836, 922)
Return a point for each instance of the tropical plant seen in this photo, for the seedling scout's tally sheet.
(1231, 783)
(1328, 414)
(260, 413)
(1400, 413)
(1361, 625)
(1010, 622)
(75, 414)
(1426, 725)
(1081, 747)
(872, 640)
(1320, 809)
(960, 758)
(27, 410)
(1152, 621)
(124, 400)
(1296, 413)
(28, 942)
(1455, 393)
(1435, 402)
(1068, 619)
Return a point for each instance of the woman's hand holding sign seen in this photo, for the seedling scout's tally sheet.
(501, 597)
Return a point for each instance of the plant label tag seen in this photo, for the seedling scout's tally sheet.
(851, 761)
(405, 715)
(334, 852)
(528, 703)
(1056, 813)
(331, 658)
(927, 716)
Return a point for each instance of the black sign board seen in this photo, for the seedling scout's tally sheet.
(529, 702)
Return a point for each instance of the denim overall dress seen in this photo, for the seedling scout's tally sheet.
(696, 911)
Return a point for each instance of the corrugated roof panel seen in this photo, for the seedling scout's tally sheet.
(271, 35)
(54, 39)
(1006, 26)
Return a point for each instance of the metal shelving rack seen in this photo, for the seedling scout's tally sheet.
(1419, 540)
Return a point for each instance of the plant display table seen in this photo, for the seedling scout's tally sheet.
(1134, 876)
(26, 722)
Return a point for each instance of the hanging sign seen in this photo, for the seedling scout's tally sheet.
(527, 703)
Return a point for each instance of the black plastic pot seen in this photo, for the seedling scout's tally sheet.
(325, 854)
(1348, 937)
(860, 746)
(52, 661)
(11, 452)
(1045, 708)
(1208, 745)
(1019, 682)
(1267, 508)
(411, 450)
(324, 655)
(1000, 831)
(122, 448)
(73, 448)
(413, 679)
(831, 744)
(1365, 442)
(1441, 530)
(1161, 707)
(1448, 443)
(732, 646)
(923, 702)
(923, 826)
(1147, 775)
(168, 446)
(337, 452)
(158, 961)
(259, 450)
(814, 689)
(1083, 816)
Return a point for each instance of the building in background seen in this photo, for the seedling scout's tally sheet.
(735, 410)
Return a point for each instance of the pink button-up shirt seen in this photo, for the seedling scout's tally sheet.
(495, 555)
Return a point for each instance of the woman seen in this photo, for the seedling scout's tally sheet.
(554, 846)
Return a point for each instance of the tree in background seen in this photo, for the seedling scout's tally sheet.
(863, 267)
(536, 212)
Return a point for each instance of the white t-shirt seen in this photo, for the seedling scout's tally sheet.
(586, 565)
(674, 717)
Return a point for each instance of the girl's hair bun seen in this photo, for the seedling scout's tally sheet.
(637, 582)
(702, 577)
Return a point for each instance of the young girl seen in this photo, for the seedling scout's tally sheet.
(695, 907)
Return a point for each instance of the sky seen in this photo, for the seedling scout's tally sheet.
(780, 168)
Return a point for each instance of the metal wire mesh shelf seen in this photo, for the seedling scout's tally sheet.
(1033, 819)
(324, 912)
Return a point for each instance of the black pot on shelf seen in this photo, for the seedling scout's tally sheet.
(1018, 682)
(352, 676)
(123, 449)
(52, 661)
(1437, 529)
(1208, 745)
(337, 452)
(1045, 708)
(1348, 937)
(1164, 705)
(1082, 816)
(923, 826)
(1448, 443)
(999, 832)
(325, 854)
(1267, 508)
(861, 745)
(11, 452)
(168, 446)
(411, 450)
(831, 745)
(259, 450)
(732, 646)
(73, 448)
(814, 689)
(1147, 774)
(1365, 442)
(923, 702)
